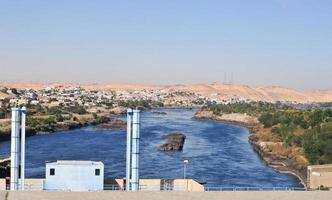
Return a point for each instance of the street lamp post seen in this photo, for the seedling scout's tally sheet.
(185, 163)
(318, 175)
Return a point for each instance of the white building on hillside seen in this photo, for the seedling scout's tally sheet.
(72, 175)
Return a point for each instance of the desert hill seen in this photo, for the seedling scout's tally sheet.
(213, 90)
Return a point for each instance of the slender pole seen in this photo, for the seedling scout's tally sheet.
(128, 157)
(23, 119)
(185, 163)
(15, 137)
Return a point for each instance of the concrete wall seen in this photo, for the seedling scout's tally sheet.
(324, 179)
(189, 185)
(149, 184)
(31, 184)
(145, 185)
(179, 185)
(34, 184)
(74, 177)
(2, 184)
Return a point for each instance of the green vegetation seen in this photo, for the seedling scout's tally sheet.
(58, 121)
(3, 113)
(5, 109)
(56, 110)
(310, 130)
(42, 124)
(141, 104)
(61, 109)
(254, 108)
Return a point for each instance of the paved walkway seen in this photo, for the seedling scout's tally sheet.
(165, 195)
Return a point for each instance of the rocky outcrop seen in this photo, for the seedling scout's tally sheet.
(119, 110)
(113, 124)
(279, 163)
(233, 118)
(174, 142)
(159, 113)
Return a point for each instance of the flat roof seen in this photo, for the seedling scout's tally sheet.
(75, 162)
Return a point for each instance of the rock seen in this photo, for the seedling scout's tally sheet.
(175, 142)
(119, 110)
(159, 113)
(233, 118)
(205, 115)
(113, 124)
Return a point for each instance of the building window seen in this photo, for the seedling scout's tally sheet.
(97, 172)
(52, 171)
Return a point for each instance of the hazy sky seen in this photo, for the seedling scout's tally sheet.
(261, 42)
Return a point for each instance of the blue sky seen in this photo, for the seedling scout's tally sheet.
(257, 42)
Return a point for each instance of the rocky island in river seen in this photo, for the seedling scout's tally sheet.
(174, 142)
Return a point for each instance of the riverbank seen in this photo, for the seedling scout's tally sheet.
(277, 161)
(45, 124)
(56, 126)
(75, 122)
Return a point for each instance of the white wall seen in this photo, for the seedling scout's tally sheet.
(74, 177)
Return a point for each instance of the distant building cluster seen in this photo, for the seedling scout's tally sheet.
(55, 96)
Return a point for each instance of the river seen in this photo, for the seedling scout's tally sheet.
(218, 153)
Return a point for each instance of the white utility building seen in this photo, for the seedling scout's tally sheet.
(72, 175)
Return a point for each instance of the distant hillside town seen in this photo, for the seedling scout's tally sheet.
(98, 99)
(112, 97)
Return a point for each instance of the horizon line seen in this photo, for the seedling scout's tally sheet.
(156, 85)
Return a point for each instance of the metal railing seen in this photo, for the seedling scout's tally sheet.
(110, 187)
(234, 189)
(161, 188)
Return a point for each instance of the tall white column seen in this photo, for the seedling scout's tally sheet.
(23, 119)
(15, 140)
(128, 156)
(135, 151)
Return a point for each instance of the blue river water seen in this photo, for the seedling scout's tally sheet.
(218, 153)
